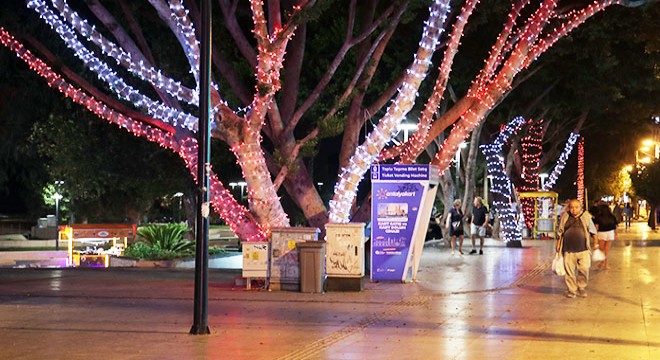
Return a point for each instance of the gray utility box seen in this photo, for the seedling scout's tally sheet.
(345, 256)
(284, 261)
(312, 266)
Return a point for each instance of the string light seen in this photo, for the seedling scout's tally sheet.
(239, 219)
(105, 73)
(531, 158)
(521, 46)
(124, 58)
(262, 197)
(412, 147)
(561, 162)
(502, 188)
(513, 51)
(580, 172)
(368, 152)
(186, 29)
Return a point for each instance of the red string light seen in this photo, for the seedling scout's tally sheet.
(531, 159)
(238, 218)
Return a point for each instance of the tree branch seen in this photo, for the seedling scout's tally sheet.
(349, 42)
(231, 24)
(92, 90)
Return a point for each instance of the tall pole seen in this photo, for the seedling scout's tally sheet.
(200, 318)
(57, 220)
(486, 187)
(458, 170)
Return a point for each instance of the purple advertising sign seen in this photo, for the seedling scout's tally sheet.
(397, 192)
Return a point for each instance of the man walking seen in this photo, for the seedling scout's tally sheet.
(575, 231)
(627, 214)
(478, 225)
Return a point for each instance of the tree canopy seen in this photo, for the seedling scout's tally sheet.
(292, 75)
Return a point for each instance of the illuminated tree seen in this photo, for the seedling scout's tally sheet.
(266, 128)
(531, 164)
(645, 179)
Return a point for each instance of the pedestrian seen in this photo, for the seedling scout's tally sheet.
(455, 226)
(627, 214)
(618, 212)
(575, 231)
(478, 224)
(606, 223)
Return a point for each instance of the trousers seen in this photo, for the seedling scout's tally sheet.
(577, 270)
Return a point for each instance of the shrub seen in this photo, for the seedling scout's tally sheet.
(164, 242)
(166, 237)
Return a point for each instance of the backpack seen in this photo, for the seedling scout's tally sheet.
(607, 222)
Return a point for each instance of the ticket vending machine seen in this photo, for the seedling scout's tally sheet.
(402, 199)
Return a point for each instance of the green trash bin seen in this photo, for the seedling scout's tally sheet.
(312, 266)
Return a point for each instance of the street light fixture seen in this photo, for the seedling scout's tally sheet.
(180, 196)
(57, 197)
(649, 151)
(406, 127)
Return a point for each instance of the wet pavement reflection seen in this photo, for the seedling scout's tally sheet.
(503, 304)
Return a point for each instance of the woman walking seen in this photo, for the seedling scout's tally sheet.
(606, 223)
(455, 226)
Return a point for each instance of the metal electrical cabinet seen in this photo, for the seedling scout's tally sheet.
(345, 256)
(284, 256)
(256, 261)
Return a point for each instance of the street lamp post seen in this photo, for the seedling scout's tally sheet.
(242, 184)
(180, 196)
(407, 128)
(458, 169)
(543, 176)
(57, 197)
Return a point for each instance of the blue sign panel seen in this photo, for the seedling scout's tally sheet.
(397, 192)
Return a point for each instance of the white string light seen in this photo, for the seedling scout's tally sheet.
(561, 162)
(105, 73)
(147, 73)
(368, 152)
(502, 187)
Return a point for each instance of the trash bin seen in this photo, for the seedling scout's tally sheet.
(312, 266)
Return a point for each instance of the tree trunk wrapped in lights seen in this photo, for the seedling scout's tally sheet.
(280, 34)
(502, 188)
(531, 158)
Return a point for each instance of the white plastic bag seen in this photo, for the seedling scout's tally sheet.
(558, 265)
(598, 255)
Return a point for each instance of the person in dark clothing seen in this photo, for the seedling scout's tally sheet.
(455, 226)
(478, 224)
(618, 212)
(606, 223)
(627, 214)
(574, 235)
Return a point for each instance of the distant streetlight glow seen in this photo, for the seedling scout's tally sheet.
(242, 184)
(406, 127)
